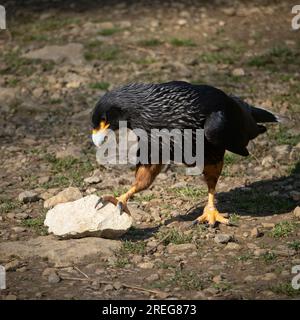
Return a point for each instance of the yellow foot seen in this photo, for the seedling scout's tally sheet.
(211, 215)
(119, 202)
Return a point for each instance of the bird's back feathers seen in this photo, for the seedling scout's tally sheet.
(228, 121)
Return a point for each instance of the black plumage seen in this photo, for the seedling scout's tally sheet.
(229, 123)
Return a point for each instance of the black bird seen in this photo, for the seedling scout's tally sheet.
(229, 123)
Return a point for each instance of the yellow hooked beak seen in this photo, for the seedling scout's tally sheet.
(98, 134)
(102, 127)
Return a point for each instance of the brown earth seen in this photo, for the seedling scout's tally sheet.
(245, 48)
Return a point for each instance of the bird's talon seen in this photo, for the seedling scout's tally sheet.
(120, 207)
(212, 217)
(100, 201)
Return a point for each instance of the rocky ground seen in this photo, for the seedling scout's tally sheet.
(56, 60)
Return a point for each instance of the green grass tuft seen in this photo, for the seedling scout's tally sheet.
(138, 247)
(186, 280)
(282, 136)
(218, 57)
(295, 245)
(278, 55)
(285, 289)
(67, 171)
(99, 85)
(37, 224)
(176, 42)
(190, 192)
(269, 257)
(96, 50)
(174, 236)
(7, 205)
(150, 42)
(282, 229)
(109, 32)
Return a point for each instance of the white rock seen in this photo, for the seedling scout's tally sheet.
(238, 72)
(80, 218)
(69, 194)
(182, 22)
(297, 212)
(93, 179)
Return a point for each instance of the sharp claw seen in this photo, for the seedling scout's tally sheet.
(120, 207)
(98, 202)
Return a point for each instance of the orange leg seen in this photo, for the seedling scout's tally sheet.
(210, 213)
(144, 176)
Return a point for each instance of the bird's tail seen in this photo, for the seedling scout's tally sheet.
(260, 115)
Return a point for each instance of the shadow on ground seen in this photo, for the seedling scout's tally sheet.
(257, 199)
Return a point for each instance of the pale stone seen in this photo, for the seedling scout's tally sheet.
(223, 238)
(80, 218)
(238, 72)
(72, 53)
(233, 246)
(297, 212)
(28, 196)
(69, 194)
(146, 265)
(176, 248)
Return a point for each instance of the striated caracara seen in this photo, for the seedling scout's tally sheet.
(228, 122)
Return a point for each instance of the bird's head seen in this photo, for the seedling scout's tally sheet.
(106, 116)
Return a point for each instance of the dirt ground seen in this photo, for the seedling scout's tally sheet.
(245, 48)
